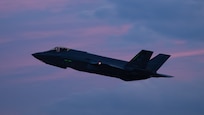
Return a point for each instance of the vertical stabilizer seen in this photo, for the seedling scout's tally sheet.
(155, 63)
(140, 60)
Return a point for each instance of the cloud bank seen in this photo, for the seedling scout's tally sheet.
(112, 28)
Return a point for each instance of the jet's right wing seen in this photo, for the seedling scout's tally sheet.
(140, 60)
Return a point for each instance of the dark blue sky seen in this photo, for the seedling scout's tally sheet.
(113, 28)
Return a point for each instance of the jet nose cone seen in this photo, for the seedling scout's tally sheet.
(38, 56)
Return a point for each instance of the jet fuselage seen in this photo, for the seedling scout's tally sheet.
(87, 62)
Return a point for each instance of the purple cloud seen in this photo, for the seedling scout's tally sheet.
(188, 53)
(117, 29)
(52, 5)
(176, 18)
(81, 32)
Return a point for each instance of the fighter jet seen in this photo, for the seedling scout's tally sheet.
(141, 67)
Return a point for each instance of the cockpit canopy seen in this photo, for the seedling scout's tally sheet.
(60, 49)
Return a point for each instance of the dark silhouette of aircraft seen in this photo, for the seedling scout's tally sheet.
(138, 68)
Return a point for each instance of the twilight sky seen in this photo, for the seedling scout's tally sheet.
(113, 28)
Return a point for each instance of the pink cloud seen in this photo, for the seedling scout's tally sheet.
(10, 5)
(82, 32)
(188, 53)
(15, 60)
(87, 33)
(45, 34)
(47, 77)
(23, 5)
(4, 40)
(179, 42)
(17, 65)
(51, 75)
(90, 34)
(106, 30)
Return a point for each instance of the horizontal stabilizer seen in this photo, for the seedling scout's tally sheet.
(140, 60)
(161, 75)
(155, 63)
